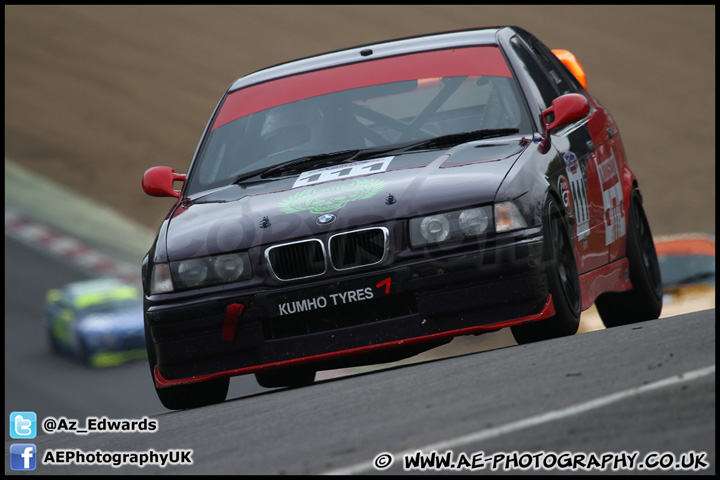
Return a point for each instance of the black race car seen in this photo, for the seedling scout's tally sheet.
(368, 204)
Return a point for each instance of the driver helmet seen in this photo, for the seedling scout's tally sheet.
(293, 126)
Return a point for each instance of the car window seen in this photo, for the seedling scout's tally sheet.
(104, 299)
(359, 106)
(550, 77)
(558, 74)
(544, 90)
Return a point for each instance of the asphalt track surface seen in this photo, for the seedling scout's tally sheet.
(91, 104)
(647, 388)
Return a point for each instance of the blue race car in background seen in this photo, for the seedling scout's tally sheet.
(99, 321)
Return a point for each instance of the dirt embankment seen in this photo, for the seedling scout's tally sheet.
(95, 95)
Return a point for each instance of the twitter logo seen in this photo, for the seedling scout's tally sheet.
(23, 425)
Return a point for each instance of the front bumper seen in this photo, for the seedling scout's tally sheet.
(366, 317)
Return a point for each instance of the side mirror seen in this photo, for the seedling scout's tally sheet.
(158, 182)
(565, 110)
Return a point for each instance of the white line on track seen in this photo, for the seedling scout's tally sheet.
(367, 467)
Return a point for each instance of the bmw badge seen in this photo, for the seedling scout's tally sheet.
(326, 219)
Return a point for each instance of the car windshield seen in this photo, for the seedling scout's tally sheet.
(94, 297)
(371, 106)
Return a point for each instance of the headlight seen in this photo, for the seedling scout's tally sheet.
(229, 268)
(435, 228)
(474, 222)
(508, 217)
(450, 226)
(193, 272)
(200, 272)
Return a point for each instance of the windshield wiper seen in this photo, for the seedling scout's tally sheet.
(458, 138)
(298, 164)
(334, 158)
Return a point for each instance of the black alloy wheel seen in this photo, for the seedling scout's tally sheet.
(563, 282)
(644, 301)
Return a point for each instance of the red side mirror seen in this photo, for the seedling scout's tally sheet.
(158, 182)
(565, 110)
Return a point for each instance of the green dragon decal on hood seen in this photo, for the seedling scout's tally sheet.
(326, 199)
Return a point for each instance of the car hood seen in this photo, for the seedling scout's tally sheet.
(238, 217)
(124, 321)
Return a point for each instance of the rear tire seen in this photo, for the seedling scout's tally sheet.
(644, 301)
(563, 282)
(289, 377)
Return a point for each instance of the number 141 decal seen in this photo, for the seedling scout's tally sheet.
(343, 171)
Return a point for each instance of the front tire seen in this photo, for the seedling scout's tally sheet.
(644, 301)
(563, 282)
(53, 342)
(289, 377)
(84, 353)
(192, 395)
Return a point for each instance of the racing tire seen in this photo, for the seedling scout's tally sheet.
(563, 282)
(194, 395)
(290, 377)
(183, 397)
(644, 301)
(54, 345)
(84, 353)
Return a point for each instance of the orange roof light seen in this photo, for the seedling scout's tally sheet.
(572, 64)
